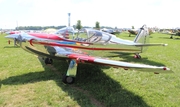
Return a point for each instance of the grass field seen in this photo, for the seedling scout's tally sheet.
(26, 81)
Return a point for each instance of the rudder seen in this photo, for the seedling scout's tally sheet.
(142, 37)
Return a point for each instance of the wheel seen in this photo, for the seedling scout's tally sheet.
(48, 61)
(68, 79)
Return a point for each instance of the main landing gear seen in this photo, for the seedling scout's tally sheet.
(69, 77)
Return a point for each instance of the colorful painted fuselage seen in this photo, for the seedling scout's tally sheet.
(96, 47)
(54, 45)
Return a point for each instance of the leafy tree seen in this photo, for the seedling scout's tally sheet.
(38, 27)
(132, 27)
(78, 26)
(97, 25)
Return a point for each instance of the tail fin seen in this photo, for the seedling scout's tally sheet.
(142, 37)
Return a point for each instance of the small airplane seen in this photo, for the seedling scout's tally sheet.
(111, 31)
(175, 33)
(85, 49)
(133, 32)
(172, 32)
(137, 46)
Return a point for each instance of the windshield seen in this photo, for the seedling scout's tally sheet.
(93, 36)
(66, 32)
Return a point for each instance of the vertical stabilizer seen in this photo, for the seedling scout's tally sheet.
(142, 37)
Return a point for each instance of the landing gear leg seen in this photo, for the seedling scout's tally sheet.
(69, 77)
(137, 56)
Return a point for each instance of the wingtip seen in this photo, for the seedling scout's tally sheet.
(167, 69)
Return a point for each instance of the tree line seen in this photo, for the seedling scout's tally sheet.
(38, 27)
(77, 26)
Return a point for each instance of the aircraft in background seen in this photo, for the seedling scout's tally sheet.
(133, 32)
(86, 49)
(172, 32)
(176, 32)
(111, 31)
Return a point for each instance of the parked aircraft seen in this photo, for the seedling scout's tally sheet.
(171, 32)
(86, 50)
(138, 45)
(111, 31)
(175, 33)
(135, 31)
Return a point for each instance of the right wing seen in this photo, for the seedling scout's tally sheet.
(125, 65)
(63, 51)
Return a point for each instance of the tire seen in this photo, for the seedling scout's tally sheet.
(68, 79)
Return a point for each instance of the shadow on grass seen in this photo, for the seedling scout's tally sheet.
(91, 83)
(11, 46)
(173, 37)
(128, 57)
(165, 37)
(176, 38)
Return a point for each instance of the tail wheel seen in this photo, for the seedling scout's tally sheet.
(137, 56)
(48, 61)
(68, 79)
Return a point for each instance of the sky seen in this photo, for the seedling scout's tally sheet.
(113, 13)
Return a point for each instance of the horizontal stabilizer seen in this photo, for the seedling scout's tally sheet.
(151, 44)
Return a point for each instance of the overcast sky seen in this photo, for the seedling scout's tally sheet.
(114, 13)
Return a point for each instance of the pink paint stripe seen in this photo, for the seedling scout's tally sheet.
(80, 47)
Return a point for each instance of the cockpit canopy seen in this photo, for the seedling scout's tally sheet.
(96, 36)
(65, 29)
(86, 35)
(65, 32)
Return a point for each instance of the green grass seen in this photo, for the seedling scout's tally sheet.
(26, 81)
